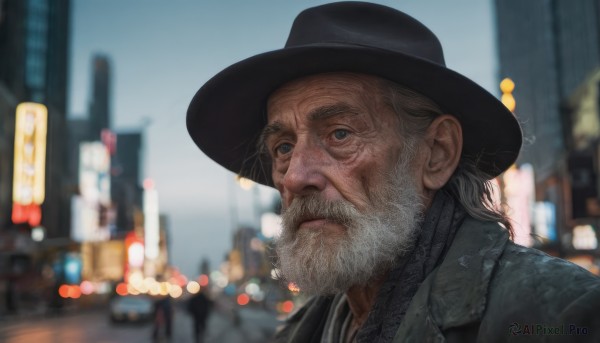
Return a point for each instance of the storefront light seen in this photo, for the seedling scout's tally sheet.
(38, 233)
(584, 238)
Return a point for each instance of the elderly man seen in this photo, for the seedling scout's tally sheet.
(383, 158)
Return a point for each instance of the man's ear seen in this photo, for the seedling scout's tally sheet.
(443, 141)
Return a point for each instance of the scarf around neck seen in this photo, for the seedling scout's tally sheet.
(393, 298)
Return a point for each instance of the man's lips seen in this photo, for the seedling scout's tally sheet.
(311, 222)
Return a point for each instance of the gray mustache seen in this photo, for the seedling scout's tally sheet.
(315, 207)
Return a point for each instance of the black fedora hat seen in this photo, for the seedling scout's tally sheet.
(227, 114)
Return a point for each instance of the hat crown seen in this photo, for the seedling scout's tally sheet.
(365, 24)
(227, 114)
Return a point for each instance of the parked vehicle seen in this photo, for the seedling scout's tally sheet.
(131, 308)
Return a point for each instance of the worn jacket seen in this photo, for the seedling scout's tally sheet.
(487, 289)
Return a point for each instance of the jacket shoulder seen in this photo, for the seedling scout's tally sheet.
(531, 288)
(531, 270)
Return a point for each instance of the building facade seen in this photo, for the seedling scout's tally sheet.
(547, 48)
(126, 189)
(550, 49)
(99, 110)
(34, 48)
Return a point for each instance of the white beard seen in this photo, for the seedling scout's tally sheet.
(374, 240)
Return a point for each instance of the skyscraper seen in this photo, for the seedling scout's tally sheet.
(125, 184)
(100, 117)
(548, 48)
(551, 49)
(34, 48)
(126, 187)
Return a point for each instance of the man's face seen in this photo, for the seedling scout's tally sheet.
(330, 134)
(350, 203)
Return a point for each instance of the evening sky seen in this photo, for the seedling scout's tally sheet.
(161, 52)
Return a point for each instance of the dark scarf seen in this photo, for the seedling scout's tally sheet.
(438, 229)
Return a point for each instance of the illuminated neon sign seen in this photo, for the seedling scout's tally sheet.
(151, 220)
(30, 163)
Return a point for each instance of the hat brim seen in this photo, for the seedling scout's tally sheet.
(227, 114)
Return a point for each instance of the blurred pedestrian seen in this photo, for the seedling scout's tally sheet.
(163, 318)
(199, 307)
(11, 297)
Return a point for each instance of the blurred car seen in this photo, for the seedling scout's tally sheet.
(131, 308)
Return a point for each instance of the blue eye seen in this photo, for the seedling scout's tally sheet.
(283, 148)
(340, 134)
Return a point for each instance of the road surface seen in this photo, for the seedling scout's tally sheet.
(255, 325)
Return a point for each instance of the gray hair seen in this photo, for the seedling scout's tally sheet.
(470, 186)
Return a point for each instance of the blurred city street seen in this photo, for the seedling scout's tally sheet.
(255, 325)
(107, 205)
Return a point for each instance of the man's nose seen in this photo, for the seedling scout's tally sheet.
(304, 174)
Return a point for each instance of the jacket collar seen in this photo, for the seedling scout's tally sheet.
(460, 285)
(454, 294)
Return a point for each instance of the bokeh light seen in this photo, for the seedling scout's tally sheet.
(136, 254)
(287, 306)
(87, 287)
(507, 85)
(74, 292)
(69, 291)
(245, 184)
(122, 289)
(252, 288)
(165, 288)
(243, 299)
(193, 287)
(63, 291)
(176, 291)
(132, 290)
(203, 280)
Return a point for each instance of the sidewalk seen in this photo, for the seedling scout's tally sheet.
(41, 312)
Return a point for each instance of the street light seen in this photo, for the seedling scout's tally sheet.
(244, 183)
(507, 86)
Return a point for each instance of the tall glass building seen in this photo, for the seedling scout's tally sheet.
(99, 111)
(34, 49)
(551, 50)
(548, 48)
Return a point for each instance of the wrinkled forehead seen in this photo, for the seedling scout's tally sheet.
(361, 89)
